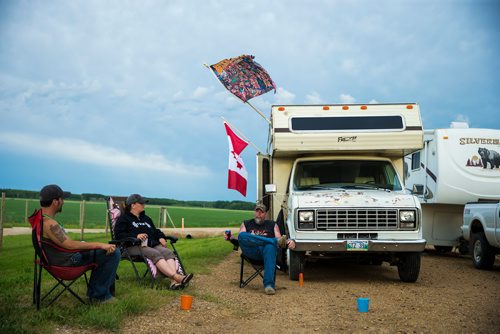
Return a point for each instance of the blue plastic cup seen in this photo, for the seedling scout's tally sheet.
(363, 304)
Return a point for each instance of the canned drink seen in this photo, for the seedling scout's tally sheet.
(227, 234)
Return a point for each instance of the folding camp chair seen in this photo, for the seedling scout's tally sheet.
(258, 266)
(114, 211)
(65, 276)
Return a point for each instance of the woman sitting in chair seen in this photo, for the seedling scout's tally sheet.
(135, 223)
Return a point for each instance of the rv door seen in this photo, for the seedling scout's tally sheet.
(263, 177)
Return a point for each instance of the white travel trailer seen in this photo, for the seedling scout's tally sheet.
(456, 166)
(333, 175)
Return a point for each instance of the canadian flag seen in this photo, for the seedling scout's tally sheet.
(237, 173)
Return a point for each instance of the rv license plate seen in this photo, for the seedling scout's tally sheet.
(357, 245)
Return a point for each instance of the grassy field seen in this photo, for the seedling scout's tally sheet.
(19, 315)
(16, 211)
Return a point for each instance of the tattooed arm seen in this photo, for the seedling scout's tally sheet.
(54, 232)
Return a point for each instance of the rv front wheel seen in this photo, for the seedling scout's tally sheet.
(296, 262)
(409, 267)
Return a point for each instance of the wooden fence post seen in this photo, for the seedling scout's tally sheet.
(82, 217)
(159, 216)
(26, 211)
(2, 210)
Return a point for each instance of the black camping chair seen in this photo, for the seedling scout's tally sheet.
(258, 268)
(114, 211)
(65, 276)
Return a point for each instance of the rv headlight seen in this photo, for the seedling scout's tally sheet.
(306, 220)
(306, 216)
(407, 218)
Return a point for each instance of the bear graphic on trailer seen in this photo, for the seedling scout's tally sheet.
(489, 156)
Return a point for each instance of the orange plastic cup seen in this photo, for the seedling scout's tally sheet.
(186, 302)
(301, 279)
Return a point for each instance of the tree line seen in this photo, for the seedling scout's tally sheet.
(232, 205)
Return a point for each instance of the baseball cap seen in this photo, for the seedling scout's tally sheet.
(135, 198)
(53, 191)
(261, 207)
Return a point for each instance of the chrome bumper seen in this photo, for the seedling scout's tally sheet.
(373, 245)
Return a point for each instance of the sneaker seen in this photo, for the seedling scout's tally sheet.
(269, 290)
(282, 242)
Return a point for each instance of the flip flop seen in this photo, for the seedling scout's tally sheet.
(176, 286)
(186, 279)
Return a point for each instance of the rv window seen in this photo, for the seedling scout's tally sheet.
(415, 160)
(346, 174)
(347, 123)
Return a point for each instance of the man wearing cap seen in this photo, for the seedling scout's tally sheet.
(106, 256)
(135, 223)
(259, 239)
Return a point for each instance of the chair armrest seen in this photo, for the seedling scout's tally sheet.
(126, 242)
(173, 239)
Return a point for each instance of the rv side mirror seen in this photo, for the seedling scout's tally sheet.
(418, 189)
(270, 188)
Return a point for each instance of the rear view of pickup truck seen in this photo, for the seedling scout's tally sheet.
(481, 227)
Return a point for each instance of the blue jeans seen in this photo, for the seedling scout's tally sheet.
(103, 276)
(261, 249)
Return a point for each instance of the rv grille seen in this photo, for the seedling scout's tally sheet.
(366, 219)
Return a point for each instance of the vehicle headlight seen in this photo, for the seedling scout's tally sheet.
(306, 219)
(407, 219)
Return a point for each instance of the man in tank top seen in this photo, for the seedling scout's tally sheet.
(54, 237)
(259, 239)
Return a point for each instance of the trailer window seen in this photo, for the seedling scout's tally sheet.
(415, 160)
(359, 174)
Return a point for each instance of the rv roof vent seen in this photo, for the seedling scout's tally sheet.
(459, 125)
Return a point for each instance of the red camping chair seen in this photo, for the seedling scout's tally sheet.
(65, 276)
(114, 211)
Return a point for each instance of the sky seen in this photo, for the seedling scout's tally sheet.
(113, 97)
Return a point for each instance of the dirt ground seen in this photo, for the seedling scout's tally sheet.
(450, 296)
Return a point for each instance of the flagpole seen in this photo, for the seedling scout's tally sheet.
(242, 135)
(257, 110)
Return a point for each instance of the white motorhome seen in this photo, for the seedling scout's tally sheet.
(333, 174)
(456, 165)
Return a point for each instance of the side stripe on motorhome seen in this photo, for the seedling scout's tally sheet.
(431, 174)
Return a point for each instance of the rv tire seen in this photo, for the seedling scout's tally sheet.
(483, 255)
(296, 261)
(409, 267)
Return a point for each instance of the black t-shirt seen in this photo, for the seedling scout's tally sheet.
(266, 229)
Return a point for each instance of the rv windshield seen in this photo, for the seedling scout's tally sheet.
(346, 174)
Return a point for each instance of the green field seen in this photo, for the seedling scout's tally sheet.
(16, 211)
(19, 315)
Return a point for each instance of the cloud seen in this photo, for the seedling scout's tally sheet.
(346, 98)
(314, 98)
(200, 92)
(95, 154)
(283, 96)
